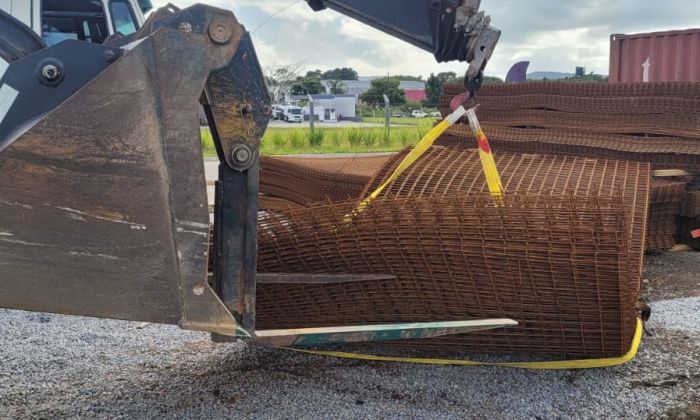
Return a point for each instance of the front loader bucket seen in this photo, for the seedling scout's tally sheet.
(103, 205)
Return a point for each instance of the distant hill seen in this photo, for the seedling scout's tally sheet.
(549, 75)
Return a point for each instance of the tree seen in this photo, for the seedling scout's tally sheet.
(590, 77)
(308, 85)
(449, 77)
(345, 73)
(433, 86)
(492, 79)
(433, 89)
(409, 78)
(280, 79)
(380, 87)
(314, 73)
(336, 87)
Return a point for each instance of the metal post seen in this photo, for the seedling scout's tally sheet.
(387, 117)
(311, 112)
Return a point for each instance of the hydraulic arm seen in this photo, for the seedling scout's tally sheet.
(453, 30)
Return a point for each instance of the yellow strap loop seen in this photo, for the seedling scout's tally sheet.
(553, 365)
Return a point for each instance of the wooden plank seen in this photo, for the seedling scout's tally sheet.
(308, 278)
(306, 337)
(660, 173)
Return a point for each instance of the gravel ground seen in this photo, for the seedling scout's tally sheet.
(56, 367)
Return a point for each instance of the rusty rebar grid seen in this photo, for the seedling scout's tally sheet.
(649, 122)
(563, 257)
(301, 181)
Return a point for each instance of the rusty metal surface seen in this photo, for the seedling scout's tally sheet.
(673, 56)
(665, 199)
(563, 257)
(104, 213)
(690, 204)
(647, 122)
(365, 166)
(661, 152)
(271, 203)
(689, 90)
(303, 181)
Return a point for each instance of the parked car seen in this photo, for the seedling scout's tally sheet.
(417, 113)
(435, 114)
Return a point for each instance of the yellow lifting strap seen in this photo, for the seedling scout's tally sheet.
(488, 163)
(553, 365)
(421, 147)
(493, 179)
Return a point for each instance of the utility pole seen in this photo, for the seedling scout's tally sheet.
(387, 117)
(311, 112)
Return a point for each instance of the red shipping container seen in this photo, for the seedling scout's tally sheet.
(672, 56)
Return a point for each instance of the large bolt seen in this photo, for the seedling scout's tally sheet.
(220, 30)
(242, 156)
(50, 72)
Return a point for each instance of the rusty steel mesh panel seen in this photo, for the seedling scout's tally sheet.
(303, 181)
(587, 138)
(353, 165)
(690, 205)
(687, 90)
(665, 199)
(659, 124)
(665, 195)
(649, 122)
(660, 153)
(447, 171)
(270, 203)
(563, 257)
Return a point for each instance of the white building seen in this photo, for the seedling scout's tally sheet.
(322, 113)
(331, 108)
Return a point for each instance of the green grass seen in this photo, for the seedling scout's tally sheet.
(208, 142)
(420, 122)
(285, 141)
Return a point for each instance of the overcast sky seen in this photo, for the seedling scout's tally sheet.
(554, 35)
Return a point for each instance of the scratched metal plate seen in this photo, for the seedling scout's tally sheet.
(103, 207)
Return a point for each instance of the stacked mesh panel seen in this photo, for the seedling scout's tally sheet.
(563, 257)
(657, 123)
(688, 218)
(286, 182)
(664, 204)
(650, 122)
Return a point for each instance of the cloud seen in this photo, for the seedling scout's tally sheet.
(552, 35)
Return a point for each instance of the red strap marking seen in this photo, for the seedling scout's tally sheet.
(483, 142)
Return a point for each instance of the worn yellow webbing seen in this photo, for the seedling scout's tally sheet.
(554, 365)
